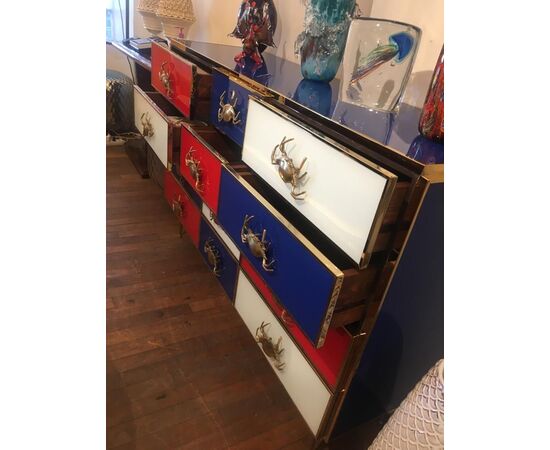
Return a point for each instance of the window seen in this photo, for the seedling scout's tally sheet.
(117, 20)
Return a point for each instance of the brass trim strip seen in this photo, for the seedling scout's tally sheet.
(330, 311)
(379, 216)
(434, 173)
(349, 368)
(244, 82)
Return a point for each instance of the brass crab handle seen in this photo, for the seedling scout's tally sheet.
(259, 246)
(288, 171)
(213, 256)
(147, 127)
(164, 76)
(177, 207)
(227, 112)
(271, 350)
(194, 168)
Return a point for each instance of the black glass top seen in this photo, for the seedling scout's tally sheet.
(397, 130)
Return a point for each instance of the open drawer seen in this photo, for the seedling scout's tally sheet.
(304, 387)
(185, 210)
(314, 289)
(158, 122)
(185, 85)
(229, 106)
(344, 195)
(203, 152)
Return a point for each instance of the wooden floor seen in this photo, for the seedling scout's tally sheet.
(183, 372)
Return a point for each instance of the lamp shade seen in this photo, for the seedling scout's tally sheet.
(148, 11)
(175, 15)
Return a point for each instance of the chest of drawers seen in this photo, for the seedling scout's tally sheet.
(329, 243)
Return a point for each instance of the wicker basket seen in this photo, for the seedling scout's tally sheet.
(148, 11)
(175, 15)
(418, 422)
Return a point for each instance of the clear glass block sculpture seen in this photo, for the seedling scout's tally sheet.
(377, 62)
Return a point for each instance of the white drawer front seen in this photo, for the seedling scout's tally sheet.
(301, 382)
(159, 140)
(221, 232)
(342, 195)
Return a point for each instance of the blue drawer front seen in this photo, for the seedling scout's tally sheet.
(221, 84)
(303, 285)
(227, 265)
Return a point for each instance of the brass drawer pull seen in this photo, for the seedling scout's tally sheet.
(227, 111)
(213, 218)
(213, 256)
(194, 168)
(287, 170)
(164, 76)
(177, 207)
(271, 350)
(146, 123)
(257, 246)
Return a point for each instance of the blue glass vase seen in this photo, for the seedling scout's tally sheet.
(321, 44)
(316, 95)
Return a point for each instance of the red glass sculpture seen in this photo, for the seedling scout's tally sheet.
(256, 24)
(431, 120)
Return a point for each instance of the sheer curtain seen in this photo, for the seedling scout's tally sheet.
(116, 19)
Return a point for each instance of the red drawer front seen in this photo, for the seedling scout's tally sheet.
(179, 72)
(188, 214)
(329, 359)
(209, 168)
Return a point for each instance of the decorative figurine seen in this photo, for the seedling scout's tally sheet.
(256, 24)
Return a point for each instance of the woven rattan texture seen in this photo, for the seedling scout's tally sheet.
(176, 9)
(149, 6)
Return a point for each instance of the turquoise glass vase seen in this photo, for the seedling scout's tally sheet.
(321, 44)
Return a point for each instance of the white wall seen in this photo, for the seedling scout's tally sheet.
(216, 19)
